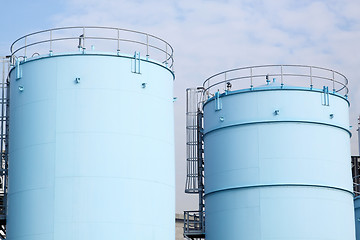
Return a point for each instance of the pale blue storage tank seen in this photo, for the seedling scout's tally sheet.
(91, 139)
(277, 155)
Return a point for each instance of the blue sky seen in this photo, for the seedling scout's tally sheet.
(210, 36)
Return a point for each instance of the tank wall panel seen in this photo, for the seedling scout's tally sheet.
(280, 213)
(277, 166)
(293, 105)
(96, 157)
(276, 153)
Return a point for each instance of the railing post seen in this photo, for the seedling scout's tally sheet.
(84, 38)
(333, 80)
(166, 54)
(147, 47)
(25, 48)
(186, 221)
(172, 62)
(50, 51)
(311, 78)
(118, 42)
(251, 79)
(282, 77)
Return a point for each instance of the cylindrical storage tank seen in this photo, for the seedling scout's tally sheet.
(91, 147)
(277, 158)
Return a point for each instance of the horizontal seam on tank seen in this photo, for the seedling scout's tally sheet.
(280, 185)
(90, 132)
(243, 91)
(115, 133)
(125, 223)
(35, 101)
(52, 187)
(170, 99)
(30, 146)
(30, 189)
(93, 88)
(126, 178)
(93, 54)
(34, 234)
(50, 100)
(280, 121)
(12, 151)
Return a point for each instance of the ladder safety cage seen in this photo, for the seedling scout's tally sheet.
(193, 97)
(194, 225)
(194, 221)
(4, 132)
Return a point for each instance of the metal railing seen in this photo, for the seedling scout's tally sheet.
(80, 37)
(194, 224)
(356, 185)
(285, 75)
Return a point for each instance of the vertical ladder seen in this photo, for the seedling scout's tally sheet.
(4, 128)
(194, 221)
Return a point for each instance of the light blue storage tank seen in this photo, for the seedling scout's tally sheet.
(91, 143)
(277, 156)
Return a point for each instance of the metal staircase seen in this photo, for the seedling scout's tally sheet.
(194, 221)
(4, 128)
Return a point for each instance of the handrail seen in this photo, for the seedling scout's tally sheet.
(356, 185)
(162, 47)
(194, 222)
(285, 72)
(355, 169)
